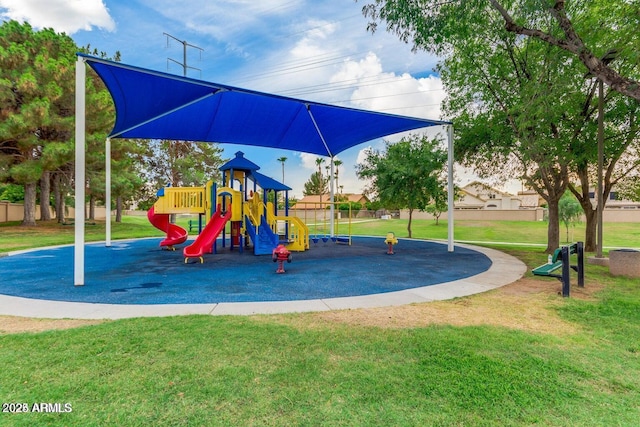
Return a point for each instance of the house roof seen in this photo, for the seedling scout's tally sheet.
(471, 189)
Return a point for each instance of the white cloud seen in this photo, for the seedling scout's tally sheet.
(68, 16)
(308, 161)
(389, 92)
(363, 84)
(224, 20)
(362, 154)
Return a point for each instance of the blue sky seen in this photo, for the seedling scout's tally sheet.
(318, 50)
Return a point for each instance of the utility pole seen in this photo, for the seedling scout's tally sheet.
(183, 64)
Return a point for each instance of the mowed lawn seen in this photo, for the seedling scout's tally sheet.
(502, 359)
(617, 235)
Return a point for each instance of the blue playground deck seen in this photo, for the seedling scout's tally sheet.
(139, 272)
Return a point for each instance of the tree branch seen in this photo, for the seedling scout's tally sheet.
(573, 44)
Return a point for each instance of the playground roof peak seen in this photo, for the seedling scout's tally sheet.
(155, 105)
(240, 163)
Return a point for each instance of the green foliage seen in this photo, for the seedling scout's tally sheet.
(407, 175)
(569, 211)
(11, 192)
(36, 93)
(584, 31)
(317, 184)
(354, 206)
(374, 205)
(180, 163)
(524, 106)
(37, 109)
(438, 206)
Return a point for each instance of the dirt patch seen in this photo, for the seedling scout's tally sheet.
(15, 325)
(524, 305)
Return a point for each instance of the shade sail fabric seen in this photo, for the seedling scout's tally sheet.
(156, 105)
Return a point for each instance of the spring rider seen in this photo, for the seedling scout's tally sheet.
(281, 254)
(390, 241)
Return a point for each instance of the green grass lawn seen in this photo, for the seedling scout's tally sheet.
(205, 370)
(617, 235)
(297, 370)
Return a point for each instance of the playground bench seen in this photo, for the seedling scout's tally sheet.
(561, 260)
(193, 223)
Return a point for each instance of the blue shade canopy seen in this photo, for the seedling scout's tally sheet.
(154, 105)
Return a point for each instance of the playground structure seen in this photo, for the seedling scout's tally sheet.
(237, 202)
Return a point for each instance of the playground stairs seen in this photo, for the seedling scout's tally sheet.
(263, 239)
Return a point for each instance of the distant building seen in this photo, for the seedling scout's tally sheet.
(614, 201)
(477, 195)
(530, 199)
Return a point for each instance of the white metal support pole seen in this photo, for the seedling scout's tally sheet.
(333, 206)
(332, 209)
(78, 272)
(450, 188)
(107, 191)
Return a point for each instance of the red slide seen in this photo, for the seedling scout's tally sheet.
(204, 241)
(175, 234)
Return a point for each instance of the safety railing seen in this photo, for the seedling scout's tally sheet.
(297, 232)
(176, 200)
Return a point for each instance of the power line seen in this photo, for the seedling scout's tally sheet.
(410, 106)
(299, 66)
(387, 96)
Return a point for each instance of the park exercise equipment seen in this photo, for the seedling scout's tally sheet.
(561, 260)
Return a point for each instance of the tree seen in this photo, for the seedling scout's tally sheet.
(37, 93)
(517, 103)
(282, 160)
(497, 97)
(337, 164)
(570, 211)
(603, 26)
(179, 163)
(612, 20)
(11, 193)
(438, 205)
(621, 159)
(321, 181)
(407, 174)
(36, 119)
(630, 190)
(316, 185)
